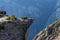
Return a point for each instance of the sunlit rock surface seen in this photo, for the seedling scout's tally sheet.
(14, 30)
(51, 32)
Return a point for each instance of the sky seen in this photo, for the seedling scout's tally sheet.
(42, 11)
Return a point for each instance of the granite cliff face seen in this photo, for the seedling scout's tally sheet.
(51, 32)
(12, 28)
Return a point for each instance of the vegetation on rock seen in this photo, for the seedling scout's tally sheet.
(12, 18)
(2, 13)
(24, 17)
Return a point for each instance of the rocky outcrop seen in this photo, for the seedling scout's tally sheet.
(51, 32)
(11, 29)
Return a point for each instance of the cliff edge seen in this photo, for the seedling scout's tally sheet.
(12, 28)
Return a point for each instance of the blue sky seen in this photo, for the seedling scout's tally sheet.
(42, 11)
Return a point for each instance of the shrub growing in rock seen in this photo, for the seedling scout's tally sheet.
(24, 17)
(12, 18)
(1, 15)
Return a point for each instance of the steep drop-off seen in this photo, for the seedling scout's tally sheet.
(12, 28)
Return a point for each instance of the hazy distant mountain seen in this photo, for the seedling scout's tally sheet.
(51, 32)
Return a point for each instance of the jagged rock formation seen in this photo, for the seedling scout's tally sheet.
(51, 32)
(11, 29)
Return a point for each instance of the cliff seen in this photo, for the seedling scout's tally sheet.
(12, 28)
(51, 32)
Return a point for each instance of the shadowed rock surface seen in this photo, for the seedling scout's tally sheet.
(51, 32)
(14, 29)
